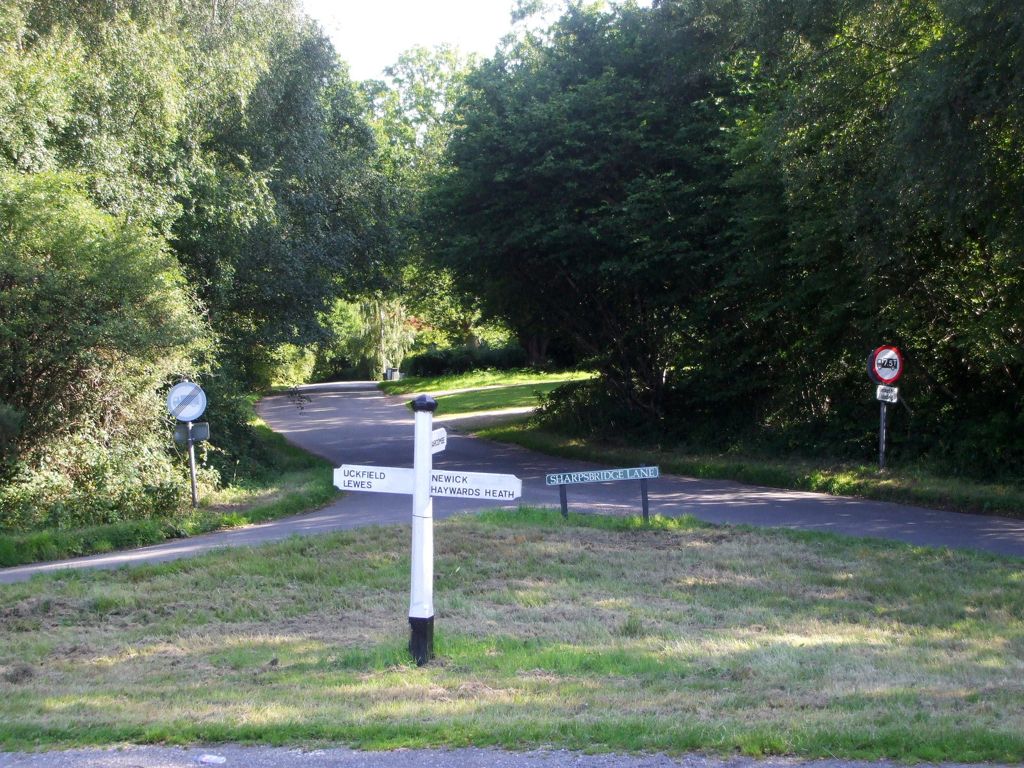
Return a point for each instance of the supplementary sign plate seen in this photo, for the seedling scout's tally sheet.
(887, 394)
(454, 484)
(602, 475)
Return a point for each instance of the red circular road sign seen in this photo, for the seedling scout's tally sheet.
(885, 365)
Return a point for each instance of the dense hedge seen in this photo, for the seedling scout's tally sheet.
(438, 362)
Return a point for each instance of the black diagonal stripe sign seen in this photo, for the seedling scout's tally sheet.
(184, 402)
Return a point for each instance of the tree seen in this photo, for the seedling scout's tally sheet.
(94, 320)
(580, 200)
(412, 108)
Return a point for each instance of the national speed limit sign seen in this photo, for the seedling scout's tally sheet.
(885, 365)
(186, 401)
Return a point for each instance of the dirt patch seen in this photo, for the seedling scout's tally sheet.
(18, 673)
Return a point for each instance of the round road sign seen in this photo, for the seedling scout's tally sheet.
(186, 401)
(885, 365)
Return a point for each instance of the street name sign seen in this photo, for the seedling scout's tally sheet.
(438, 440)
(452, 484)
(562, 479)
(601, 475)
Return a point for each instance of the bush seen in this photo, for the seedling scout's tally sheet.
(96, 321)
(86, 481)
(439, 362)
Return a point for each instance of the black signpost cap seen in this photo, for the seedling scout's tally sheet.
(424, 403)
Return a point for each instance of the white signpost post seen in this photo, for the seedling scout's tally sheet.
(423, 483)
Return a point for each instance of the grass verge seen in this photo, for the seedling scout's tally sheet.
(596, 634)
(479, 391)
(299, 482)
(478, 380)
(899, 485)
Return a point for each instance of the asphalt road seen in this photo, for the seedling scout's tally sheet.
(355, 423)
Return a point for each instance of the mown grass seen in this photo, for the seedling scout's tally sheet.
(598, 633)
(297, 482)
(494, 399)
(477, 380)
(904, 485)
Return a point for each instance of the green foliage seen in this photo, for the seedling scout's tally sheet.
(583, 175)
(411, 114)
(226, 140)
(288, 211)
(365, 339)
(94, 310)
(439, 362)
(724, 206)
(95, 319)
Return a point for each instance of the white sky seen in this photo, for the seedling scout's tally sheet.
(370, 34)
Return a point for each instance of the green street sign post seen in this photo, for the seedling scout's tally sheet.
(643, 474)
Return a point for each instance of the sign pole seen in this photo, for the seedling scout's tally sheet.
(881, 435)
(644, 500)
(192, 466)
(565, 501)
(421, 599)
(885, 367)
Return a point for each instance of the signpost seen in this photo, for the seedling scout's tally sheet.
(187, 402)
(453, 484)
(885, 366)
(643, 474)
(423, 482)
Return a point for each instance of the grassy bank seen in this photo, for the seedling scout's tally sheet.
(484, 391)
(299, 481)
(596, 634)
(900, 485)
(477, 380)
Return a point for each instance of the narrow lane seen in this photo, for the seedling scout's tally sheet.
(355, 423)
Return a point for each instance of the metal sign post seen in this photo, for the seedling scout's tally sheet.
(643, 474)
(192, 466)
(187, 402)
(885, 367)
(881, 434)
